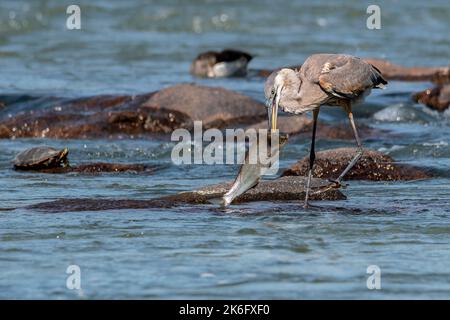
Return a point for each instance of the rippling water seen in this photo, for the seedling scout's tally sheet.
(260, 250)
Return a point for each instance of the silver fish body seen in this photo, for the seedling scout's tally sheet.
(250, 173)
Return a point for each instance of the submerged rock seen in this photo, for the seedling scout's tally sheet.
(437, 98)
(80, 204)
(402, 113)
(102, 167)
(282, 189)
(373, 165)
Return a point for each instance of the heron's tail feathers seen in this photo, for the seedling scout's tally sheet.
(377, 79)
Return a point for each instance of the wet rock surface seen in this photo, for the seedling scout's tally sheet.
(282, 189)
(102, 167)
(93, 117)
(373, 165)
(126, 116)
(75, 205)
(437, 98)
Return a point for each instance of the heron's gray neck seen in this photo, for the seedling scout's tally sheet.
(291, 94)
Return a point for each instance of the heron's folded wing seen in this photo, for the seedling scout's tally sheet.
(348, 77)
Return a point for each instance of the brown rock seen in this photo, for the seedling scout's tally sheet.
(127, 116)
(373, 165)
(437, 98)
(216, 107)
(5, 132)
(93, 117)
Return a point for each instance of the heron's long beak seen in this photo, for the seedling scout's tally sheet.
(272, 109)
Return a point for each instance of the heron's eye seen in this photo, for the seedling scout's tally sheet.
(273, 91)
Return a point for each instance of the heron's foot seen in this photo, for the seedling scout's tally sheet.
(308, 205)
(337, 183)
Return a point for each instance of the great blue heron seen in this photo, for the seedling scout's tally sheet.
(323, 79)
(226, 63)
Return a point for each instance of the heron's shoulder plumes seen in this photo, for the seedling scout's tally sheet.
(345, 76)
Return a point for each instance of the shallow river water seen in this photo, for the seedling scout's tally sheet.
(258, 250)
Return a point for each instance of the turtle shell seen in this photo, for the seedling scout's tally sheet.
(42, 157)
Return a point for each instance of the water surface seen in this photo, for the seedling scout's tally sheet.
(259, 250)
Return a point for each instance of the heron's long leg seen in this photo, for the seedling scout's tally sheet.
(312, 155)
(360, 151)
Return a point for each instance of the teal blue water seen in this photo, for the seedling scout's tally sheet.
(251, 251)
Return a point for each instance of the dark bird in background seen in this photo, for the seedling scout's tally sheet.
(323, 79)
(227, 63)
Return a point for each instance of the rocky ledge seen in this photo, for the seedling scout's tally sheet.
(282, 189)
(126, 116)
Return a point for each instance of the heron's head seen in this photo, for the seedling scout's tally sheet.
(273, 90)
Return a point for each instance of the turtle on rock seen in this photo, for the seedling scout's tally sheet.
(42, 157)
(50, 160)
